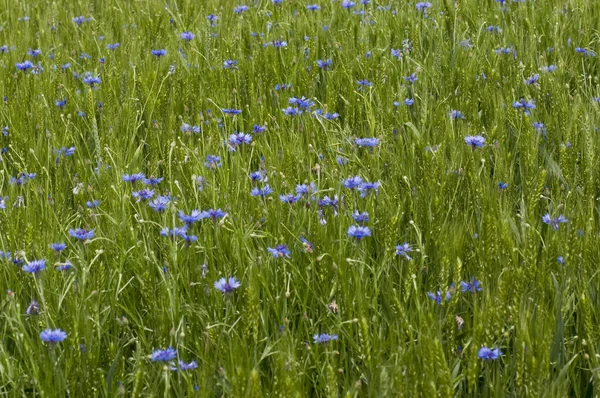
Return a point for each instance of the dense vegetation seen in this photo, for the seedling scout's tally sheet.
(288, 198)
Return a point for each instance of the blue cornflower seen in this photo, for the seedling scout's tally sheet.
(143, 194)
(238, 139)
(194, 216)
(24, 65)
(364, 83)
(279, 251)
(358, 232)
(412, 78)
(454, 114)
(164, 355)
(502, 185)
(61, 103)
(64, 266)
(396, 53)
(58, 247)
(289, 198)
(308, 247)
(53, 336)
(365, 187)
(348, 4)
(489, 354)
(313, 7)
(437, 297)
(212, 18)
(91, 80)
(304, 189)
(409, 101)
(525, 105)
(560, 260)
(33, 308)
(160, 204)
(532, 79)
(324, 64)
(214, 214)
(34, 53)
(329, 202)
(331, 116)
(423, 6)
(503, 50)
(367, 142)
(227, 285)
(230, 64)
(159, 53)
(79, 20)
(81, 234)
(133, 178)
(549, 68)
(291, 111)
(554, 222)
(493, 29)
(257, 129)
(265, 191)
(231, 111)
(3, 49)
(212, 162)
(360, 218)
(185, 366)
(35, 266)
(257, 176)
(283, 87)
(474, 286)
(187, 36)
(93, 204)
(324, 338)
(67, 152)
(475, 141)
(403, 250)
(113, 46)
(240, 9)
(302, 102)
(152, 180)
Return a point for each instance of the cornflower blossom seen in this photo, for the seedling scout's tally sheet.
(227, 286)
(358, 232)
(554, 222)
(475, 141)
(524, 105)
(324, 338)
(279, 251)
(53, 336)
(165, 355)
(403, 250)
(81, 234)
(474, 286)
(489, 354)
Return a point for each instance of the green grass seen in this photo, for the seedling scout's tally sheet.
(132, 291)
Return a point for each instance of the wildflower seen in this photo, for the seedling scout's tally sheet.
(502, 185)
(367, 142)
(409, 101)
(358, 232)
(308, 247)
(34, 53)
(304, 189)
(164, 355)
(313, 7)
(291, 111)
(257, 176)
(213, 214)
(160, 204)
(53, 336)
(279, 251)
(324, 64)
(554, 222)
(475, 141)
(152, 180)
(185, 366)
(396, 53)
(403, 250)
(257, 129)
(58, 247)
(489, 354)
(423, 6)
(238, 139)
(93, 204)
(240, 9)
(79, 20)
(289, 198)
(366, 187)
(35, 266)
(158, 53)
(265, 191)
(360, 218)
(113, 46)
(503, 50)
(474, 286)
(364, 83)
(347, 4)
(524, 105)
(33, 308)
(212, 162)
(24, 66)
(324, 338)
(81, 234)
(91, 80)
(532, 79)
(231, 112)
(133, 178)
(352, 182)
(61, 103)
(560, 260)
(193, 217)
(412, 78)
(302, 102)
(227, 285)
(437, 297)
(64, 266)
(143, 194)
(212, 18)
(230, 64)
(454, 114)
(187, 36)
(549, 68)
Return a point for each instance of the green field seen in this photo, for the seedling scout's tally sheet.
(406, 196)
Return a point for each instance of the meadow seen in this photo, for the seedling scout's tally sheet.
(294, 198)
